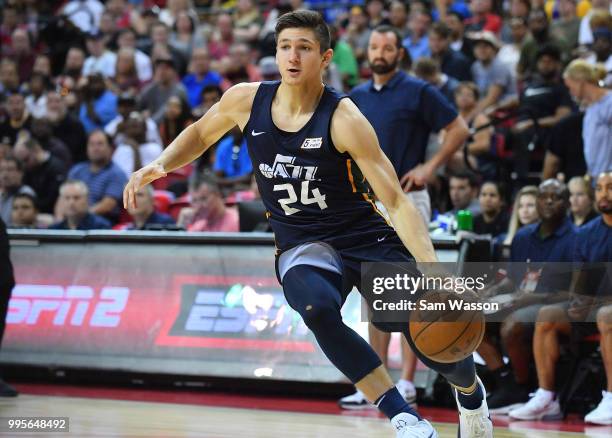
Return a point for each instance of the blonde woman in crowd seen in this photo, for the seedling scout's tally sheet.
(524, 211)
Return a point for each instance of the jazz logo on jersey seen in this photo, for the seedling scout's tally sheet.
(284, 167)
(312, 143)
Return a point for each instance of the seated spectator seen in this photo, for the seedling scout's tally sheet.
(524, 212)
(567, 26)
(144, 215)
(9, 78)
(593, 244)
(127, 40)
(126, 77)
(185, 37)
(221, 40)
(11, 185)
(200, 76)
(232, 162)
(479, 144)
(126, 104)
(458, 40)
(36, 102)
(134, 151)
(584, 83)
(376, 13)
(552, 239)
(493, 78)
(176, 118)
(22, 53)
(238, 67)
(510, 52)
(19, 119)
(208, 211)
(452, 63)
(483, 17)
(398, 17)
(463, 191)
(428, 70)
(100, 59)
(73, 196)
(582, 209)
(99, 104)
(24, 213)
(602, 49)
(44, 173)
(492, 220)
(162, 49)
(211, 94)
(247, 22)
(417, 43)
(585, 34)
(165, 84)
(66, 126)
(357, 33)
(540, 36)
(103, 178)
(42, 131)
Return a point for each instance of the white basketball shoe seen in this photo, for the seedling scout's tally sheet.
(408, 426)
(475, 423)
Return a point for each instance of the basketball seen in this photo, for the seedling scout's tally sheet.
(445, 328)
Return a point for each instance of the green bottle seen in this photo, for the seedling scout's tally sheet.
(465, 220)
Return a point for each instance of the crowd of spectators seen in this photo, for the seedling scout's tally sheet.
(91, 90)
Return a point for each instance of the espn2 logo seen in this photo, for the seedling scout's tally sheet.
(68, 305)
(312, 143)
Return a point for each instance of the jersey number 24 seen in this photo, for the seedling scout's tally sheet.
(292, 198)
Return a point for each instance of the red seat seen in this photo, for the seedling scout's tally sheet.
(162, 200)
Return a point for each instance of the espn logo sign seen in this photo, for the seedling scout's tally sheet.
(312, 143)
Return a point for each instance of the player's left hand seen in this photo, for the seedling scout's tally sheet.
(417, 178)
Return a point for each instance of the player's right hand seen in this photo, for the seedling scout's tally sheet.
(139, 179)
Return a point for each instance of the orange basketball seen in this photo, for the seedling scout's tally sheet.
(443, 332)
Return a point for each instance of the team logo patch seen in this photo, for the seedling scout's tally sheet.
(312, 143)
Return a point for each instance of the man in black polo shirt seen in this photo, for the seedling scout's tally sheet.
(546, 99)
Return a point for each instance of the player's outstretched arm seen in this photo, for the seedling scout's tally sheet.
(233, 109)
(352, 133)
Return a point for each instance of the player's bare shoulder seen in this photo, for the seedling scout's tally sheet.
(238, 101)
(349, 127)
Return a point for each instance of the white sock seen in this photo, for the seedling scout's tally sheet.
(550, 395)
(406, 384)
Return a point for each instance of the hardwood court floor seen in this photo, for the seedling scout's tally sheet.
(95, 417)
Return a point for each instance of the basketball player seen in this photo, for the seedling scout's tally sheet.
(309, 147)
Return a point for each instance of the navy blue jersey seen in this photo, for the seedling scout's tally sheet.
(312, 192)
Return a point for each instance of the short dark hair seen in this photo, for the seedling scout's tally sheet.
(306, 20)
(32, 198)
(211, 88)
(385, 28)
(549, 50)
(466, 174)
(426, 68)
(441, 29)
(108, 138)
